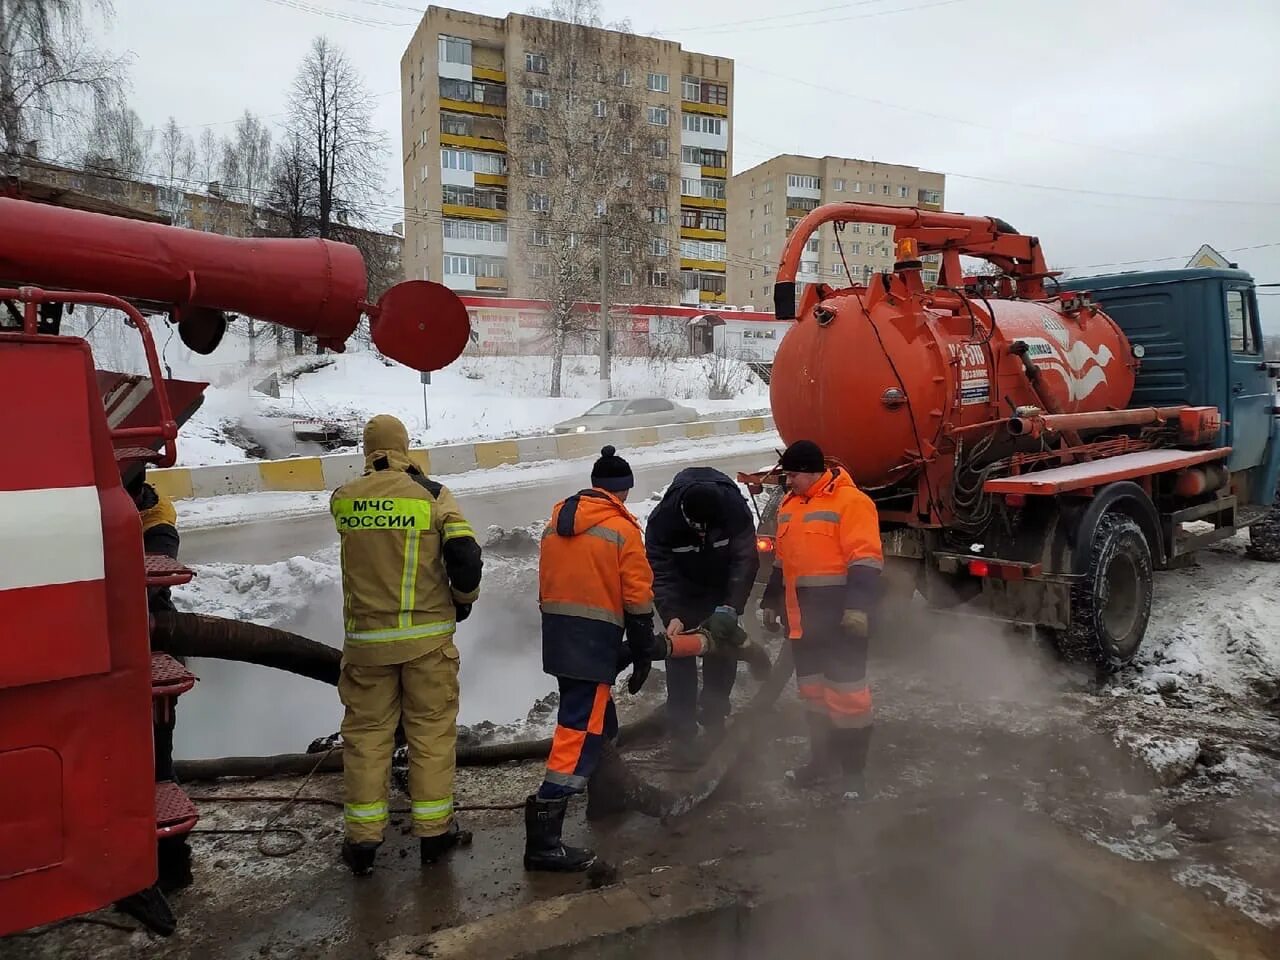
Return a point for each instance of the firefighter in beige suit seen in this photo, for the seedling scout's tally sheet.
(410, 572)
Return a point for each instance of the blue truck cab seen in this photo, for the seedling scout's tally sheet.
(1200, 338)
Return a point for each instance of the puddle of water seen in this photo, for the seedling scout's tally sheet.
(241, 710)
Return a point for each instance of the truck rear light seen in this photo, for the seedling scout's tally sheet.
(1016, 499)
(764, 544)
(979, 568)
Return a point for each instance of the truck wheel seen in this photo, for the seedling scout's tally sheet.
(1264, 537)
(1111, 605)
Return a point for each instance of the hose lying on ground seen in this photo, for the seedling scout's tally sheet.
(299, 764)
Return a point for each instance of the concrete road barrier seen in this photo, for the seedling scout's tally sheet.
(330, 472)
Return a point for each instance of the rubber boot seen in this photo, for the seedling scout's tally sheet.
(150, 908)
(823, 765)
(607, 785)
(543, 848)
(431, 849)
(360, 856)
(853, 746)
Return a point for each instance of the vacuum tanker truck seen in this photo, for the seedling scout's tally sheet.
(1034, 447)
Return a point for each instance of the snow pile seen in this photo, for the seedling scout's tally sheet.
(477, 398)
(270, 593)
(1169, 758)
(1213, 625)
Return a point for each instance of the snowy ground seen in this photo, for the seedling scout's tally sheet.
(477, 398)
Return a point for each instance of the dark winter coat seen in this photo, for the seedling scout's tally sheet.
(693, 573)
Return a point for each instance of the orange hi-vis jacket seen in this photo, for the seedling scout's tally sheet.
(594, 587)
(828, 557)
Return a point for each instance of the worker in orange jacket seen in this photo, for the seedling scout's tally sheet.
(595, 590)
(826, 580)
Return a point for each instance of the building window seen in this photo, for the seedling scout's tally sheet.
(804, 182)
(697, 123)
(808, 266)
(625, 277)
(657, 214)
(624, 77)
(537, 98)
(539, 238)
(838, 185)
(534, 133)
(811, 245)
(540, 271)
(659, 83)
(538, 202)
(626, 246)
(884, 189)
(716, 93)
(454, 49)
(537, 168)
(690, 187)
(659, 247)
(452, 123)
(768, 209)
(836, 269)
(713, 189)
(715, 250)
(855, 248)
(627, 145)
(478, 162)
(931, 196)
(690, 89)
(768, 186)
(535, 62)
(475, 230)
(657, 278)
(626, 111)
(658, 116)
(884, 231)
(600, 109)
(658, 181)
(464, 266)
(690, 155)
(658, 147)
(903, 193)
(764, 231)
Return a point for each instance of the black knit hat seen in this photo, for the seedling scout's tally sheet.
(701, 504)
(803, 456)
(611, 472)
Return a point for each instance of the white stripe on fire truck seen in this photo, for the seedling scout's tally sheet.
(49, 536)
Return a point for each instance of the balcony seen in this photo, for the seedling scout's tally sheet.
(479, 109)
(491, 179)
(701, 233)
(491, 284)
(710, 109)
(466, 142)
(710, 296)
(716, 173)
(712, 266)
(705, 203)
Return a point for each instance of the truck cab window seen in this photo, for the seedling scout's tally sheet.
(1240, 323)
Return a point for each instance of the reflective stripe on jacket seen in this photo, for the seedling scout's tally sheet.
(593, 584)
(828, 556)
(408, 555)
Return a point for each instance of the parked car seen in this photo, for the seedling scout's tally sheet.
(623, 413)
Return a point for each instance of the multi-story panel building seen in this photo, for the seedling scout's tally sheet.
(768, 201)
(499, 144)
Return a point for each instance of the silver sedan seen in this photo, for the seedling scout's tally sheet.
(623, 413)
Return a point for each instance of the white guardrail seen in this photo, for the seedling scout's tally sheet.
(330, 472)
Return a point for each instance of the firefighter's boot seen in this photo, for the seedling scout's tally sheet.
(360, 856)
(431, 849)
(543, 848)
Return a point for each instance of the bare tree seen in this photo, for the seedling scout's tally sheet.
(251, 146)
(291, 193)
(49, 72)
(120, 137)
(607, 170)
(331, 111)
(209, 158)
(177, 154)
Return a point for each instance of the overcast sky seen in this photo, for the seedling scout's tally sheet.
(1157, 122)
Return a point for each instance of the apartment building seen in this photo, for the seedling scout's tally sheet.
(509, 122)
(769, 199)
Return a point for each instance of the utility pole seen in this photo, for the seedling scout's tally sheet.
(605, 386)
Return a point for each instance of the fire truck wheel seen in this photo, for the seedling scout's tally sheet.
(1264, 537)
(1111, 605)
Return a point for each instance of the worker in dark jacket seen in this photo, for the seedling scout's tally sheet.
(701, 545)
(826, 584)
(595, 591)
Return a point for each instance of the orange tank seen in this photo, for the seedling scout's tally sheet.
(880, 375)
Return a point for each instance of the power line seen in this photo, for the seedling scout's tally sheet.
(1180, 256)
(815, 23)
(339, 15)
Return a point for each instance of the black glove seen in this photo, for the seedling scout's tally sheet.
(723, 628)
(640, 645)
(769, 618)
(461, 611)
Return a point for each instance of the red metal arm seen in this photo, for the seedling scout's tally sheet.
(951, 233)
(167, 430)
